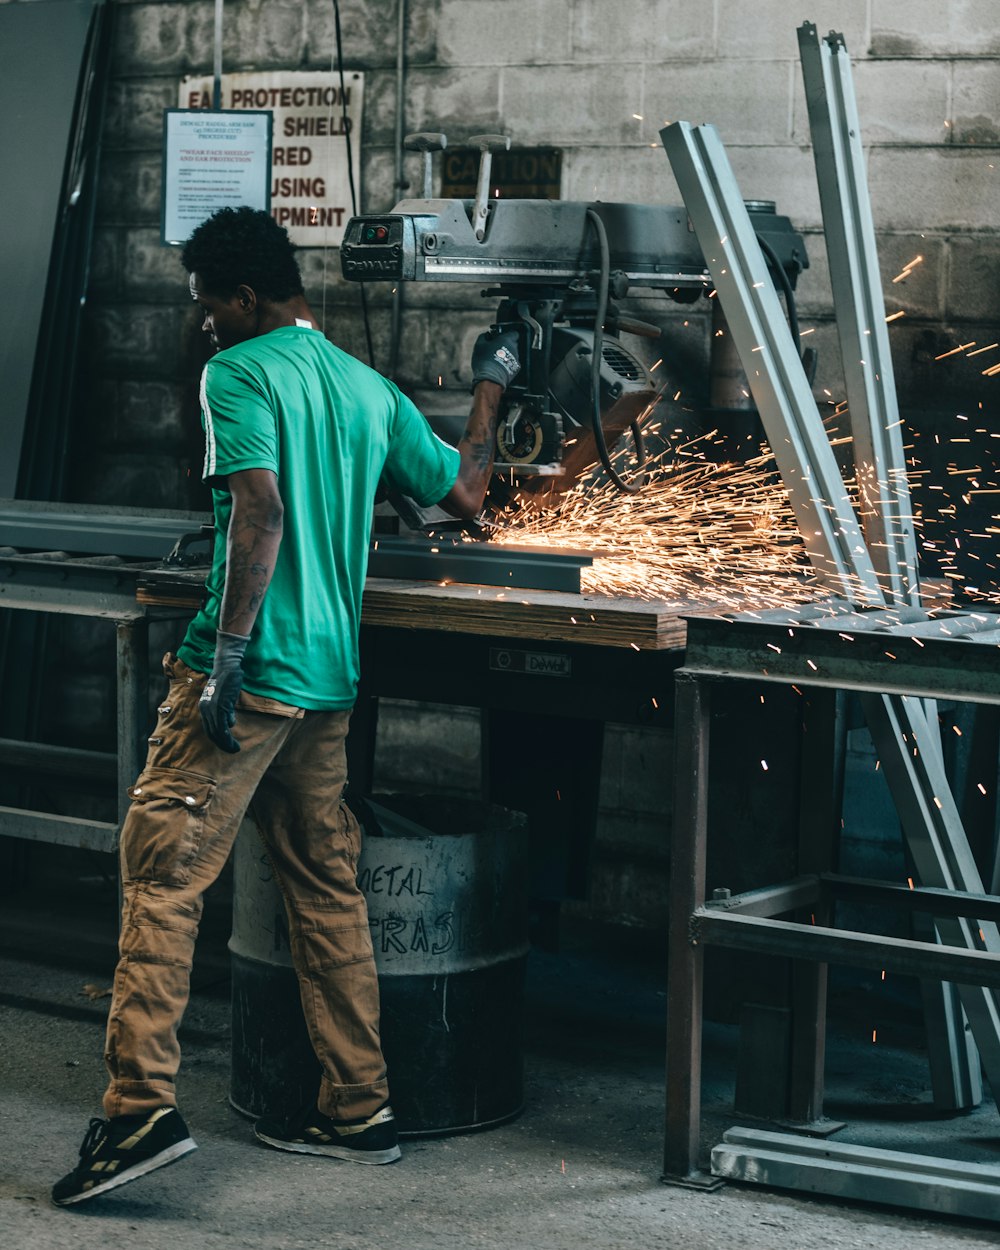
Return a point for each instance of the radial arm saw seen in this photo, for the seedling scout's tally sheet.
(559, 270)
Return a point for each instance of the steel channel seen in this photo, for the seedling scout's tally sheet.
(685, 972)
(92, 835)
(502, 567)
(826, 518)
(857, 295)
(904, 956)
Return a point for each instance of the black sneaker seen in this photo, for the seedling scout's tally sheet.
(370, 1139)
(117, 1151)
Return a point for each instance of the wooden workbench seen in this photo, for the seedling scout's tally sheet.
(459, 608)
(542, 615)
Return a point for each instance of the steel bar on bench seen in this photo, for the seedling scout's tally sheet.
(479, 563)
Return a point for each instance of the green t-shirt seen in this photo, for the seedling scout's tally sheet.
(327, 426)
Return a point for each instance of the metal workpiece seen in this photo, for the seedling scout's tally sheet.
(830, 530)
(447, 559)
(873, 411)
(914, 1181)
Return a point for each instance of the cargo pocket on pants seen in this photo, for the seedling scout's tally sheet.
(165, 825)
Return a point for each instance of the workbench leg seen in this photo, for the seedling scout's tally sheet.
(361, 742)
(133, 705)
(685, 966)
(821, 796)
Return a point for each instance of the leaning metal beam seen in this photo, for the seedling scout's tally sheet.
(876, 428)
(826, 518)
(909, 749)
(857, 295)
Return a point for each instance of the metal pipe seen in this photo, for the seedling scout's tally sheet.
(217, 84)
(396, 328)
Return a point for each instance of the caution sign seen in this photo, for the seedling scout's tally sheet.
(520, 174)
(314, 119)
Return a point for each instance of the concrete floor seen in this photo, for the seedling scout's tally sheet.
(579, 1168)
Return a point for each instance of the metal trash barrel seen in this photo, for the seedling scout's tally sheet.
(446, 886)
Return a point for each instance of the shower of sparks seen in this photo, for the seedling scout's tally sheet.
(908, 269)
(698, 531)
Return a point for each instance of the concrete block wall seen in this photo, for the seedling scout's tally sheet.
(599, 81)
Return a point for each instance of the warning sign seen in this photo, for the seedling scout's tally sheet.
(314, 120)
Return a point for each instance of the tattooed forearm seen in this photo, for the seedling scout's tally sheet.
(255, 530)
(477, 449)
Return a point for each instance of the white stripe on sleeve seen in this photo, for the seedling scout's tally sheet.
(209, 467)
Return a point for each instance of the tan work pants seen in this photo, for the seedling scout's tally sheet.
(187, 806)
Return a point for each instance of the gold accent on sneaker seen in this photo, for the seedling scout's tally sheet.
(140, 1133)
(384, 1116)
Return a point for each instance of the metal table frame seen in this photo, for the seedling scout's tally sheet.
(817, 661)
(101, 593)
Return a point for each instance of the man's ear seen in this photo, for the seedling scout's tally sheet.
(247, 298)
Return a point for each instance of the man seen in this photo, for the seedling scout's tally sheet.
(297, 436)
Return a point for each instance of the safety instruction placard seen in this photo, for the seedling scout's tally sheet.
(315, 118)
(212, 161)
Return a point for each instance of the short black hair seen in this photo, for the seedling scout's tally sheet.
(243, 246)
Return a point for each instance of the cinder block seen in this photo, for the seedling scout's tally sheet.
(379, 120)
(135, 339)
(748, 106)
(152, 273)
(155, 416)
(653, 31)
(128, 188)
(929, 28)
(898, 102)
(518, 32)
(133, 480)
(369, 32)
(571, 104)
(783, 174)
(639, 175)
(424, 747)
(377, 188)
(942, 188)
(267, 36)
(976, 103)
(767, 28)
(461, 102)
(952, 384)
(813, 297)
(134, 117)
(920, 293)
(973, 290)
(105, 253)
(162, 38)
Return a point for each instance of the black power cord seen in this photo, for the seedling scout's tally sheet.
(786, 287)
(627, 488)
(350, 169)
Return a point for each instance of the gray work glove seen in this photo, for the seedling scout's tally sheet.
(494, 357)
(218, 700)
